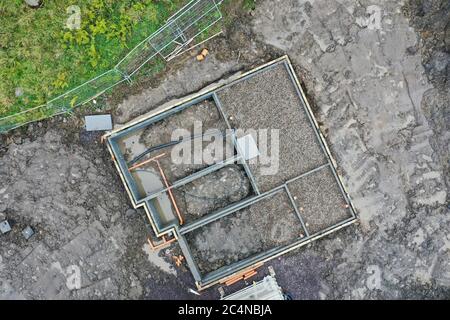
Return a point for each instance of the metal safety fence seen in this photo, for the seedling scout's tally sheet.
(180, 32)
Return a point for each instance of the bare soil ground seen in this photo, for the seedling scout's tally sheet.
(377, 76)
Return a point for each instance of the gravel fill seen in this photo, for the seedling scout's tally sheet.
(319, 200)
(266, 224)
(269, 100)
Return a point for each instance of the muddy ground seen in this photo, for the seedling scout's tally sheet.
(377, 76)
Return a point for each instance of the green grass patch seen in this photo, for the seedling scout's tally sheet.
(249, 5)
(44, 58)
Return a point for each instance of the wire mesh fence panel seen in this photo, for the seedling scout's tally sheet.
(21, 118)
(88, 90)
(136, 58)
(64, 102)
(190, 22)
(201, 25)
(182, 28)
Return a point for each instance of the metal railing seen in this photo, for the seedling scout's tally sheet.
(180, 31)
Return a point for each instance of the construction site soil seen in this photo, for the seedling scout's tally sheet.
(376, 74)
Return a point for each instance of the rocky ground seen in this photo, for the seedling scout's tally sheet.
(377, 75)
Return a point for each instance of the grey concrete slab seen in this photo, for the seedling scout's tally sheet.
(5, 227)
(99, 122)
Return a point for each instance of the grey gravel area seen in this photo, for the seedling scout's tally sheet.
(212, 192)
(266, 224)
(269, 101)
(319, 200)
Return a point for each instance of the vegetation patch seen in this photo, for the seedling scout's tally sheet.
(41, 58)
